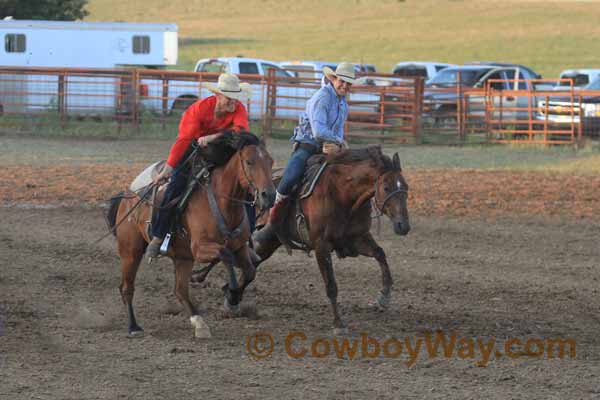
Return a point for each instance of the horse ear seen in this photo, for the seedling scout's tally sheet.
(396, 161)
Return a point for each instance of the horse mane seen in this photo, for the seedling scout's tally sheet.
(370, 153)
(220, 151)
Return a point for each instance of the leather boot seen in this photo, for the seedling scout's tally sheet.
(278, 212)
(275, 224)
(153, 249)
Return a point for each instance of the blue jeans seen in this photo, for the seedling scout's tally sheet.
(162, 219)
(294, 170)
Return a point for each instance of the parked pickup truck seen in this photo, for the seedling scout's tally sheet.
(291, 96)
(419, 69)
(441, 97)
(363, 104)
(560, 110)
(181, 94)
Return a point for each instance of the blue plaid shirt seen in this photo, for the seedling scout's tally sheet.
(324, 118)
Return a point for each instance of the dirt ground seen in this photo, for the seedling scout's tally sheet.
(482, 262)
(64, 327)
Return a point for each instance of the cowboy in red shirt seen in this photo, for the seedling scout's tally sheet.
(204, 121)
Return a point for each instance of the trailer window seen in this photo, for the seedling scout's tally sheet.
(141, 44)
(14, 43)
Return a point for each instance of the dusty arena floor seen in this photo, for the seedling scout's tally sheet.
(512, 270)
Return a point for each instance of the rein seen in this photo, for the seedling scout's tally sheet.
(132, 209)
(142, 199)
(250, 183)
(216, 212)
(225, 231)
(228, 233)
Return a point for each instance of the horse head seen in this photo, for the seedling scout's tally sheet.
(391, 194)
(255, 173)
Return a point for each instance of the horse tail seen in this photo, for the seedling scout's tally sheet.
(111, 214)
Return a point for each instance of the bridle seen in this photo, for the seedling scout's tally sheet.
(230, 234)
(388, 197)
(251, 184)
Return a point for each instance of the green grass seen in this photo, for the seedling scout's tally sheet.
(32, 150)
(548, 36)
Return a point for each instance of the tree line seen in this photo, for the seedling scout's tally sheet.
(56, 10)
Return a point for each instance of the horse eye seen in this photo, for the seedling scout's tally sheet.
(248, 162)
(386, 188)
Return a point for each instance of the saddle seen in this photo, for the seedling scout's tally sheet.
(314, 169)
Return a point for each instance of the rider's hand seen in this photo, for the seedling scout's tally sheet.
(164, 175)
(345, 145)
(331, 148)
(205, 140)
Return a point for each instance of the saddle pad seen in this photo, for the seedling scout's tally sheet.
(145, 178)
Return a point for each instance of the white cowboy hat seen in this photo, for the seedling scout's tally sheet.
(344, 71)
(229, 86)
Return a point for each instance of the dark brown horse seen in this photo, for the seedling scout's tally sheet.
(338, 216)
(207, 234)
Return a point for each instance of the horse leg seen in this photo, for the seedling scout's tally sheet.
(367, 246)
(131, 247)
(183, 271)
(323, 255)
(244, 262)
(233, 290)
(199, 276)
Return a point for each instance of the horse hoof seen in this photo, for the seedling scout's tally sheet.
(201, 329)
(340, 331)
(231, 310)
(381, 303)
(136, 334)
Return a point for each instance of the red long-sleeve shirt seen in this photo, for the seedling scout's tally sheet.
(199, 120)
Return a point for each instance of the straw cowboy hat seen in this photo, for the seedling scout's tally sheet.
(344, 71)
(229, 86)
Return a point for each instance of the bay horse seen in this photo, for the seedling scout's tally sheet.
(207, 233)
(338, 216)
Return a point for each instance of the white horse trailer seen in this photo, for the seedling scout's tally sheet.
(59, 44)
